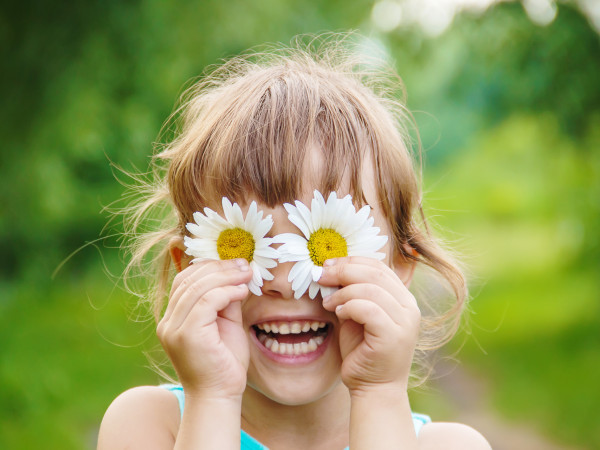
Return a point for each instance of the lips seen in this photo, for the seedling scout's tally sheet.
(292, 338)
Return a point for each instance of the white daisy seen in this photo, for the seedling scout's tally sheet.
(234, 237)
(330, 229)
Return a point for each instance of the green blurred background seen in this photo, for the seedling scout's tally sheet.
(507, 97)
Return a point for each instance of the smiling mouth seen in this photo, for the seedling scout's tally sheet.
(292, 338)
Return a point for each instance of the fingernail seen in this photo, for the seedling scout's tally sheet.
(326, 299)
(330, 262)
(242, 264)
(338, 308)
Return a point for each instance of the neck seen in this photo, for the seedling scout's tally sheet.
(317, 425)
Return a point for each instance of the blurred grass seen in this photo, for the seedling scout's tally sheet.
(533, 332)
(68, 350)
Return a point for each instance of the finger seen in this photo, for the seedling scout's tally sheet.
(351, 335)
(205, 310)
(233, 311)
(193, 288)
(358, 260)
(206, 323)
(355, 270)
(344, 271)
(200, 270)
(368, 314)
(372, 292)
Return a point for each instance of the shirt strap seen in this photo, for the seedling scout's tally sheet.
(249, 443)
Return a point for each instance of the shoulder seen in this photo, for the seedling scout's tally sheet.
(450, 436)
(143, 417)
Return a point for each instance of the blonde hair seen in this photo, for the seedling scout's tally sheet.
(242, 130)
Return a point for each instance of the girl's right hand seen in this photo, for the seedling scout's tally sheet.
(202, 332)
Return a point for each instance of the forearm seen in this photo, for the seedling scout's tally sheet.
(210, 424)
(381, 419)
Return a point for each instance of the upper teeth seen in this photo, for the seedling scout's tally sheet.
(290, 327)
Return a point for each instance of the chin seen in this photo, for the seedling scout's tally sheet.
(294, 392)
(295, 384)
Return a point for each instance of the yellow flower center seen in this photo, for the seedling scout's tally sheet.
(326, 243)
(235, 243)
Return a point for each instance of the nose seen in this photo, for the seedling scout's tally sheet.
(279, 286)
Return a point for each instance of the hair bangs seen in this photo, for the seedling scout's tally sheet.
(259, 142)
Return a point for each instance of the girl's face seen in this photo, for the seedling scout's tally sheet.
(294, 348)
(277, 321)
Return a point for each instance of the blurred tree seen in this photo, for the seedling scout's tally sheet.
(485, 69)
(90, 83)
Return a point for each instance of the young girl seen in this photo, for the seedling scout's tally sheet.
(294, 228)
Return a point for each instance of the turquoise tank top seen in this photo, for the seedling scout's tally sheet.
(249, 443)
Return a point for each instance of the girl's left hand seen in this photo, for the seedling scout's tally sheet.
(379, 322)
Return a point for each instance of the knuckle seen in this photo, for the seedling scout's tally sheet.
(162, 331)
(351, 259)
(186, 283)
(209, 296)
(415, 312)
(364, 290)
(374, 275)
(373, 291)
(222, 265)
(417, 316)
(180, 281)
(179, 339)
(344, 273)
(413, 304)
(378, 275)
(367, 307)
(225, 263)
(179, 278)
(173, 339)
(192, 289)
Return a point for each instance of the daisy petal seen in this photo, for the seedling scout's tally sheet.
(317, 209)
(264, 273)
(237, 218)
(356, 228)
(262, 227)
(256, 277)
(316, 273)
(305, 215)
(296, 270)
(252, 219)
(301, 224)
(299, 270)
(214, 219)
(302, 288)
(208, 228)
(268, 263)
(254, 289)
(313, 289)
(328, 290)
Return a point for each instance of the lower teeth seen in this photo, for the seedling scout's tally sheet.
(300, 348)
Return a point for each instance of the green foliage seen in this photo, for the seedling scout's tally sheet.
(535, 321)
(67, 351)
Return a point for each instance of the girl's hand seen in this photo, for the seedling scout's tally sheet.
(379, 322)
(201, 330)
